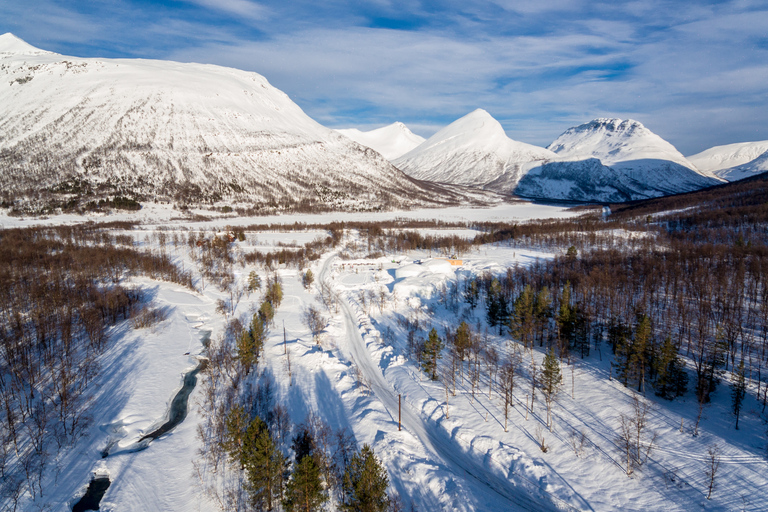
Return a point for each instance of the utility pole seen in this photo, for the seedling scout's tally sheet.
(399, 416)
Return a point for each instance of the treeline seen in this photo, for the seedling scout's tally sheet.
(61, 290)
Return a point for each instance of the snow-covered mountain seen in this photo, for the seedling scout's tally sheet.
(188, 132)
(635, 163)
(390, 141)
(603, 160)
(734, 161)
(473, 151)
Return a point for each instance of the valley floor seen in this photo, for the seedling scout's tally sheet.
(447, 456)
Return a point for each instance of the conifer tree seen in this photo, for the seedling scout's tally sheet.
(462, 340)
(246, 351)
(365, 483)
(739, 391)
(471, 293)
(550, 381)
(671, 380)
(254, 281)
(639, 350)
(235, 426)
(522, 320)
(431, 353)
(565, 319)
(304, 491)
(264, 465)
(542, 311)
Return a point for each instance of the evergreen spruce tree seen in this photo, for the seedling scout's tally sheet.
(264, 465)
(471, 293)
(542, 311)
(618, 337)
(550, 381)
(259, 330)
(304, 491)
(254, 281)
(565, 319)
(462, 340)
(365, 483)
(639, 351)
(235, 426)
(671, 380)
(522, 320)
(266, 312)
(492, 304)
(739, 391)
(431, 353)
(247, 353)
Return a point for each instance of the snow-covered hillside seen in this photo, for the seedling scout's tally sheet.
(734, 161)
(474, 151)
(392, 141)
(188, 132)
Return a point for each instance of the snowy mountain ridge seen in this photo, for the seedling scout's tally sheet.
(734, 161)
(185, 132)
(391, 141)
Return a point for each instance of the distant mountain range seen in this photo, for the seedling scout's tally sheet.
(82, 128)
(603, 160)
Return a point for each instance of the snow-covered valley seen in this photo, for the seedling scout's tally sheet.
(452, 451)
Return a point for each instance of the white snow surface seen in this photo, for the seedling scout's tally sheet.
(733, 162)
(156, 127)
(391, 141)
(474, 151)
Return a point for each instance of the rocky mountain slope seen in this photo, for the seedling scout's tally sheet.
(185, 132)
(392, 141)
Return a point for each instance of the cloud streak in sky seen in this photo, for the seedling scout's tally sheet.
(694, 72)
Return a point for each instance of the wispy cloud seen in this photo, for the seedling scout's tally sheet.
(244, 8)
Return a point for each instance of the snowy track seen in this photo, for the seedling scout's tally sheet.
(442, 449)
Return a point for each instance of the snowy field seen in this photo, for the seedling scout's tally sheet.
(446, 456)
(152, 213)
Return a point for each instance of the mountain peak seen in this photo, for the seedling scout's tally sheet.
(615, 140)
(391, 141)
(9, 43)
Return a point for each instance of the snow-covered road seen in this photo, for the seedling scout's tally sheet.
(443, 450)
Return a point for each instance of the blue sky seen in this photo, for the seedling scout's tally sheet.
(694, 72)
